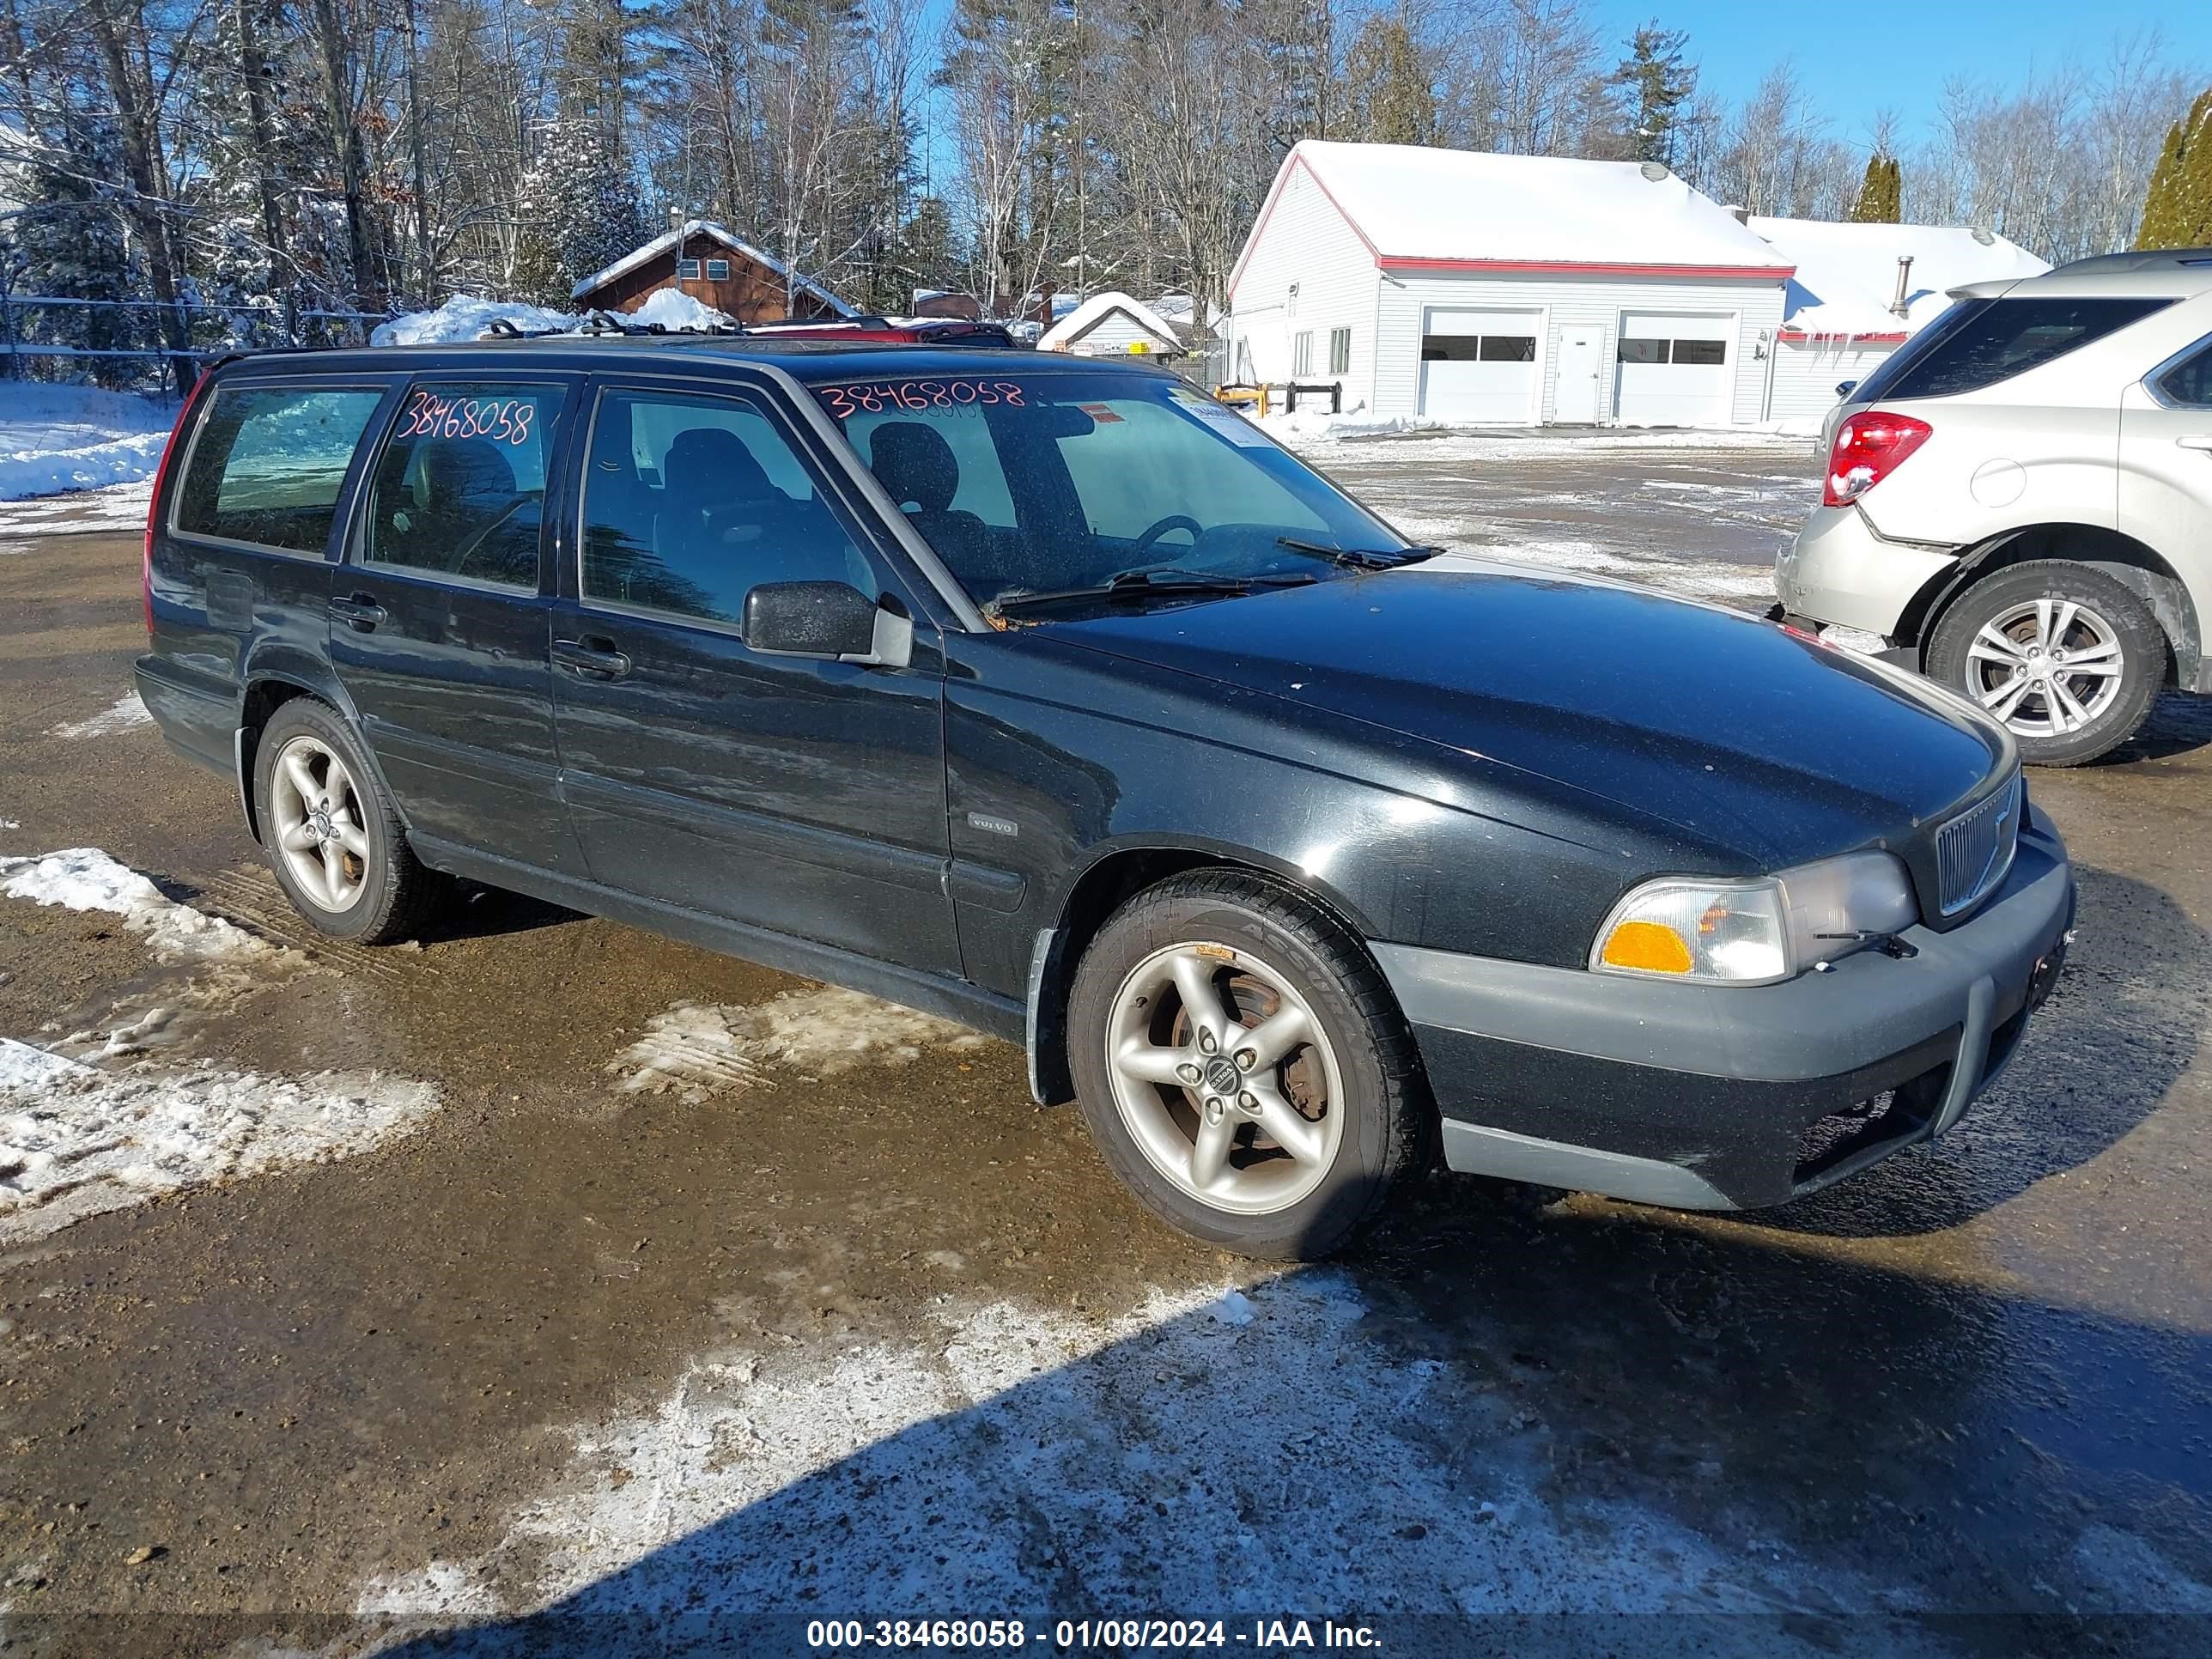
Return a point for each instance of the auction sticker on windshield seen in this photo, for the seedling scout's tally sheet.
(1230, 425)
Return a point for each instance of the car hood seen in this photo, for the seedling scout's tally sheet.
(1736, 731)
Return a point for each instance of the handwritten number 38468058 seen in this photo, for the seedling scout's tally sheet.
(502, 419)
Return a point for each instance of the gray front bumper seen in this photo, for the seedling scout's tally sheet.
(1712, 1097)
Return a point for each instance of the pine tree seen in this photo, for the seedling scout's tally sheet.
(1659, 81)
(1881, 193)
(580, 210)
(2178, 209)
(70, 239)
(1392, 99)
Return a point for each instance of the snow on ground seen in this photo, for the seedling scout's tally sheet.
(77, 1142)
(121, 506)
(696, 1050)
(1229, 1450)
(58, 438)
(1697, 578)
(1314, 427)
(85, 879)
(126, 714)
(463, 318)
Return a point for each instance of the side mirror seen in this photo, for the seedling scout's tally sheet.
(830, 620)
(1844, 388)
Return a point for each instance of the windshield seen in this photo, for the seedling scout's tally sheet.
(1039, 481)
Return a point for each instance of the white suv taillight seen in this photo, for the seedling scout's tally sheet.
(1869, 446)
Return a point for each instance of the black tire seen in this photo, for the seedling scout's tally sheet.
(397, 891)
(2110, 604)
(1389, 1122)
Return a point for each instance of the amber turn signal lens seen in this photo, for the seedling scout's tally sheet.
(1646, 945)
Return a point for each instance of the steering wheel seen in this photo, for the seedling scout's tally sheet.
(469, 549)
(1173, 521)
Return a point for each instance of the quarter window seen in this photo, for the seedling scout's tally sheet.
(1302, 353)
(460, 490)
(1340, 352)
(689, 502)
(2188, 384)
(269, 463)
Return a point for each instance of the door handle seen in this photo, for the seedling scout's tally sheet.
(593, 660)
(2196, 440)
(360, 612)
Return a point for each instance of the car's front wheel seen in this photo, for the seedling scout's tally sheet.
(2067, 657)
(1243, 1066)
(331, 834)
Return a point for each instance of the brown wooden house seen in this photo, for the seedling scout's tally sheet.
(705, 261)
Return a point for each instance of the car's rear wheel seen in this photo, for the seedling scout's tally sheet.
(1243, 1066)
(2067, 657)
(331, 834)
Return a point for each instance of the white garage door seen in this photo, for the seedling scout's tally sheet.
(1677, 368)
(1480, 365)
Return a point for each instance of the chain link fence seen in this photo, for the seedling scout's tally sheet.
(144, 344)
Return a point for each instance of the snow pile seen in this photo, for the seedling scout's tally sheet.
(126, 714)
(695, 1051)
(672, 307)
(463, 318)
(59, 438)
(76, 1142)
(1014, 1452)
(85, 879)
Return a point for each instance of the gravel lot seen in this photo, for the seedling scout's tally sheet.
(583, 1292)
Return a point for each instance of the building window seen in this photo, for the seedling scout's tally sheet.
(1473, 349)
(1302, 353)
(718, 270)
(1702, 353)
(687, 270)
(1340, 352)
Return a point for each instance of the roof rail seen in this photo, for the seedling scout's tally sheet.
(2167, 258)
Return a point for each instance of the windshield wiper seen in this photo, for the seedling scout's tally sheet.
(1148, 584)
(1362, 558)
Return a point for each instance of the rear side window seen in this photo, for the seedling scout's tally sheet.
(1979, 343)
(2188, 384)
(460, 490)
(269, 462)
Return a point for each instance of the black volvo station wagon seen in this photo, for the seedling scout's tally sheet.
(1056, 698)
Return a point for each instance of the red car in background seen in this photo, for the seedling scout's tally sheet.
(885, 330)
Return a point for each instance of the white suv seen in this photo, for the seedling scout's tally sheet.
(2020, 501)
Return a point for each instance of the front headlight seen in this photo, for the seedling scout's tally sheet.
(1759, 930)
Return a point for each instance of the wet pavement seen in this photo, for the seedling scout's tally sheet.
(595, 1293)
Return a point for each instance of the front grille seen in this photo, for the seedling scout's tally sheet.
(1974, 850)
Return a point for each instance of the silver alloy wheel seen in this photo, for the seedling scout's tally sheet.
(2045, 668)
(1224, 1078)
(318, 820)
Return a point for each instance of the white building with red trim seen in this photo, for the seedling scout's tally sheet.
(1461, 286)
(1861, 291)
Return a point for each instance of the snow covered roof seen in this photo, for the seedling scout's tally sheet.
(1096, 310)
(1847, 273)
(1421, 208)
(670, 241)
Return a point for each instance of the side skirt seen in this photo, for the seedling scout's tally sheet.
(931, 994)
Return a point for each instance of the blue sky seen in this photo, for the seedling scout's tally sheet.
(1855, 60)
